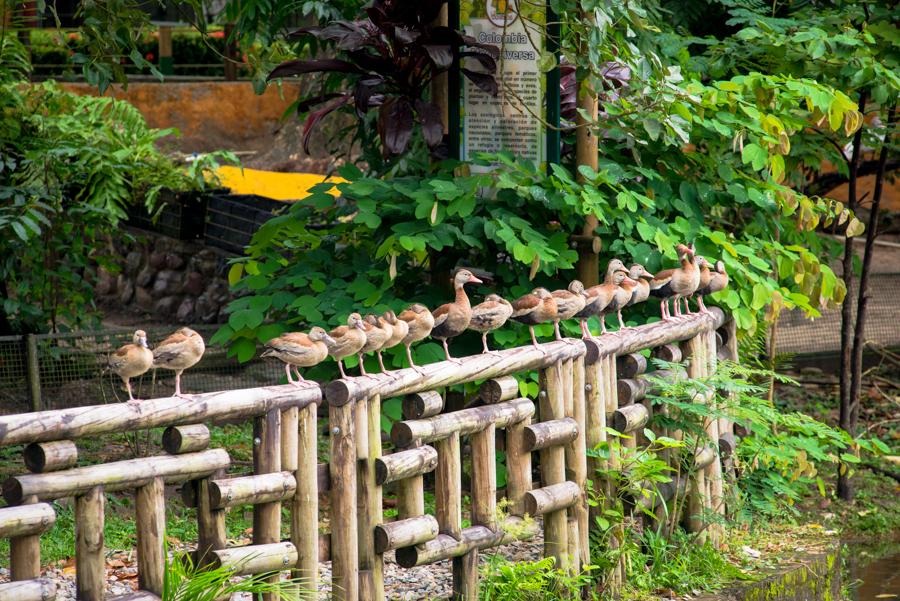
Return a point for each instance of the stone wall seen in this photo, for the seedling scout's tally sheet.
(166, 280)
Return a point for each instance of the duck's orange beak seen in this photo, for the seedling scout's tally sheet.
(474, 280)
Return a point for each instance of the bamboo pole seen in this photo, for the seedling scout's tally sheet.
(553, 466)
(252, 490)
(267, 460)
(518, 466)
(38, 589)
(50, 456)
(95, 420)
(405, 464)
(210, 524)
(305, 506)
(90, 577)
(448, 484)
(25, 520)
(185, 439)
(445, 546)
(371, 563)
(289, 438)
(344, 549)
(119, 475)
(256, 559)
(150, 516)
(25, 550)
(578, 449)
(465, 421)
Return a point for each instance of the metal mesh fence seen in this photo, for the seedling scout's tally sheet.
(797, 334)
(72, 370)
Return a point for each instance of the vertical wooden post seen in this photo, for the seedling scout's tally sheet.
(210, 525)
(166, 62)
(371, 564)
(150, 516)
(90, 576)
(484, 506)
(553, 466)
(25, 553)
(305, 504)
(344, 543)
(577, 450)
(573, 539)
(694, 350)
(440, 92)
(714, 473)
(587, 154)
(267, 459)
(289, 438)
(34, 372)
(518, 466)
(448, 509)
(612, 403)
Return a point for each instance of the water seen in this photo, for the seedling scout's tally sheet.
(871, 579)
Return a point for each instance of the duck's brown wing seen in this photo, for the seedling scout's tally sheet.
(171, 348)
(441, 314)
(525, 304)
(489, 315)
(119, 358)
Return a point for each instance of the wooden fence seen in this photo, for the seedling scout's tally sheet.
(580, 395)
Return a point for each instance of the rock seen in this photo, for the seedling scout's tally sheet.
(127, 292)
(158, 260)
(145, 276)
(174, 261)
(194, 283)
(166, 306)
(106, 283)
(206, 262)
(185, 313)
(143, 299)
(167, 283)
(133, 262)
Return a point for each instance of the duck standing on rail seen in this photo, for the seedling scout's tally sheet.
(718, 280)
(622, 287)
(676, 283)
(568, 303)
(640, 292)
(297, 349)
(378, 331)
(346, 340)
(489, 316)
(399, 330)
(452, 319)
(178, 352)
(419, 322)
(535, 308)
(132, 360)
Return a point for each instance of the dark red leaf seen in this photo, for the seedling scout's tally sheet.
(441, 55)
(366, 94)
(432, 124)
(484, 81)
(428, 10)
(487, 61)
(304, 105)
(395, 125)
(316, 116)
(318, 65)
(407, 36)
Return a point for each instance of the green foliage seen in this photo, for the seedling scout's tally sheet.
(540, 580)
(186, 582)
(71, 166)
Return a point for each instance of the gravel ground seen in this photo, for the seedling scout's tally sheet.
(424, 582)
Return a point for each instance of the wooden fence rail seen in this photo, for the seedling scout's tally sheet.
(585, 386)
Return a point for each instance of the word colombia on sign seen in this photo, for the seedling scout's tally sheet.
(514, 120)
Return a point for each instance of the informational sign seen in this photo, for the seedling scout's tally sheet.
(514, 119)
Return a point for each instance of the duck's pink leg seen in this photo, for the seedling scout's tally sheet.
(287, 370)
(178, 392)
(362, 365)
(341, 367)
(703, 308)
(622, 325)
(380, 361)
(447, 353)
(603, 324)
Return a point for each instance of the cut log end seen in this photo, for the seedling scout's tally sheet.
(185, 439)
(499, 389)
(52, 456)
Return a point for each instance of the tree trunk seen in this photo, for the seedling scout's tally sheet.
(844, 488)
(863, 297)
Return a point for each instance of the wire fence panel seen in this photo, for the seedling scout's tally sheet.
(72, 370)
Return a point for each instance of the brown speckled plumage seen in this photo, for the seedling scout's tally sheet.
(297, 349)
(489, 316)
(535, 308)
(452, 319)
(346, 340)
(178, 352)
(132, 360)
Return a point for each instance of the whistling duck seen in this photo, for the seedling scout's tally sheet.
(378, 332)
(419, 323)
(705, 277)
(568, 303)
(641, 288)
(676, 283)
(132, 360)
(297, 349)
(346, 340)
(452, 319)
(178, 352)
(399, 330)
(535, 308)
(622, 292)
(597, 297)
(718, 280)
(489, 316)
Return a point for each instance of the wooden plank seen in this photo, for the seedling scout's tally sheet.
(344, 549)
(305, 504)
(90, 577)
(267, 460)
(150, 516)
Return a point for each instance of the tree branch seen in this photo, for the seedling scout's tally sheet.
(829, 181)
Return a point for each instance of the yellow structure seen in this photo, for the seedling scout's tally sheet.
(271, 184)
